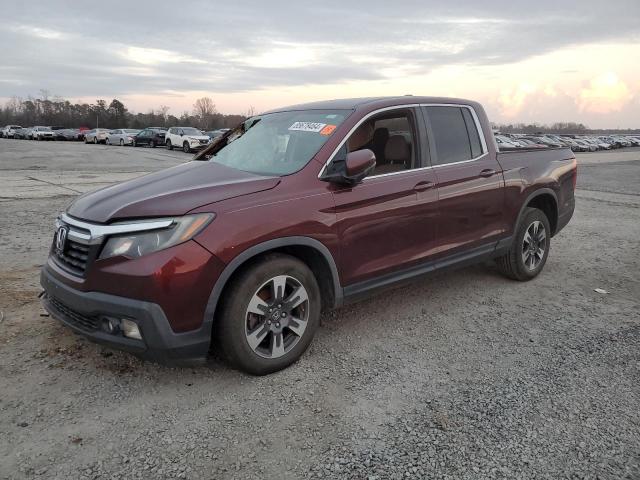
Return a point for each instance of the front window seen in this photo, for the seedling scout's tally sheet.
(276, 143)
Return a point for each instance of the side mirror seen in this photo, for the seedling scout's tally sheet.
(352, 169)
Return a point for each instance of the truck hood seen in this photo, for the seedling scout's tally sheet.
(171, 192)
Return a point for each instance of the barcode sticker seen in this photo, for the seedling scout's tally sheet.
(307, 127)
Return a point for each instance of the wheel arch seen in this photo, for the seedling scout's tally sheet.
(309, 250)
(544, 199)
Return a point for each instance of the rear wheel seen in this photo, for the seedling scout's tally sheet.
(269, 315)
(530, 248)
(185, 147)
(169, 146)
(121, 142)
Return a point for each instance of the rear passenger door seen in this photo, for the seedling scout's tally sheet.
(469, 178)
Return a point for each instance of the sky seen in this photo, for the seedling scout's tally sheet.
(543, 61)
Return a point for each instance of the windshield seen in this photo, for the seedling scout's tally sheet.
(191, 131)
(278, 143)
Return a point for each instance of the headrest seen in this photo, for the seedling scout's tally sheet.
(397, 149)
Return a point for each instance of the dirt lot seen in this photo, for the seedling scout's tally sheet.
(462, 375)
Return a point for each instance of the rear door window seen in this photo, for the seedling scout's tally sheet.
(455, 135)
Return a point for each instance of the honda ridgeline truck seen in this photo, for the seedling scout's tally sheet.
(295, 211)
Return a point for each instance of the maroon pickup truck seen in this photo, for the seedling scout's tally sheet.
(295, 211)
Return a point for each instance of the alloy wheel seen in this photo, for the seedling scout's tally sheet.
(121, 142)
(534, 245)
(277, 316)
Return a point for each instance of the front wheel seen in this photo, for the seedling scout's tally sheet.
(152, 143)
(169, 146)
(95, 140)
(270, 315)
(530, 248)
(186, 148)
(121, 142)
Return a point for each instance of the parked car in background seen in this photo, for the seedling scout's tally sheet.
(213, 134)
(42, 133)
(68, 134)
(10, 130)
(505, 142)
(186, 138)
(122, 136)
(97, 135)
(526, 142)
(152, 136)
(296, 212)
(22, 133)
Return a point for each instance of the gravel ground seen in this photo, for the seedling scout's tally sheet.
(462, 375)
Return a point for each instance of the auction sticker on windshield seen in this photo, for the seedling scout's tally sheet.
(307, 127)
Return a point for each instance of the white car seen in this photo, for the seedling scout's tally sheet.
(121, 136)
(505, 142)
(97, 135)
(9, 131)
(186, 138)
(42, 133)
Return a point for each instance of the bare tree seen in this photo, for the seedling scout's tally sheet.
(164, 112)
(204, 109)
(251, 111)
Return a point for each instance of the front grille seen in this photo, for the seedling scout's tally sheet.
(204, 142)
(74, 257)
(83, 322)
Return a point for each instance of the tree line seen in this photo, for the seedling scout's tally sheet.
(559, 127)
(60, 112)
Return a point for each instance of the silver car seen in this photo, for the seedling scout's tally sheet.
(121, 136)
(97, 135)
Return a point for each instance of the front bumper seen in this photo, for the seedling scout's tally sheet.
(83, 312)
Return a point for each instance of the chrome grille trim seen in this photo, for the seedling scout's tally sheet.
(93, 234)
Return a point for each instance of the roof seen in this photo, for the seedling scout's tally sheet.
(369, 103)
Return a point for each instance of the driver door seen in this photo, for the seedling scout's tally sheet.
(386, 223)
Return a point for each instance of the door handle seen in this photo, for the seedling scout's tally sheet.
(423, 186)
(487, 172)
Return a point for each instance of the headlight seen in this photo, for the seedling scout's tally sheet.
(138, 244)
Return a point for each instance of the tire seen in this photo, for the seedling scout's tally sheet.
(186, 148)
(133, 143)
(524, 260)
(275, 345)
(152, 144)
(168, 144)
(121, 142)
(107, 141)
(95, 140)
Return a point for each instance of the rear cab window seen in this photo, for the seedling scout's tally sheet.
(454, 133)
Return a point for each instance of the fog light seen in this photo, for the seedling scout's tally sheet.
(130, 329)
(111, 325)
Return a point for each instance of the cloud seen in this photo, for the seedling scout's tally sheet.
(605, 93)
(512, 101)
(254, 49)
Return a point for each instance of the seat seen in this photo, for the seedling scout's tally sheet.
(378, 144)
(397, 154)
